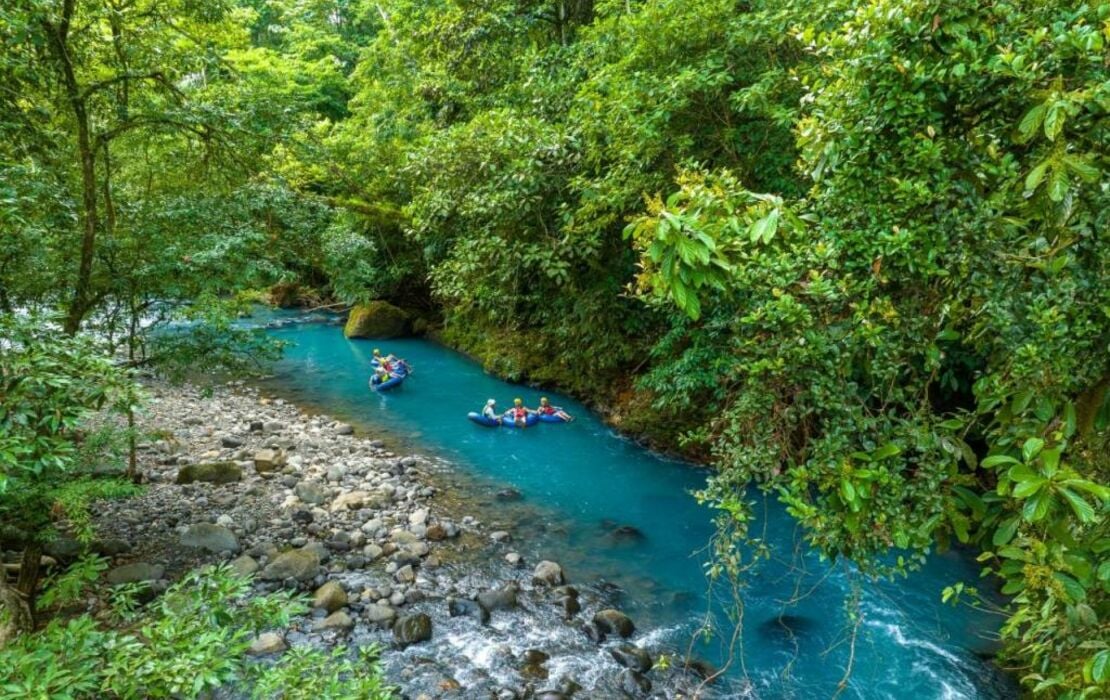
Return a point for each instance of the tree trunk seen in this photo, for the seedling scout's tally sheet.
(59, 42)
(15, 613)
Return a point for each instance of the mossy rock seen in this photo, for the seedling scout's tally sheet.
(213, 473)
(378, 319)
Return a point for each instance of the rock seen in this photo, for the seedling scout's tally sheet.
(508, 495)
(614, 622)
(312, 493)
(212, 473)
(499, 536)
(503, 598)
(514, 559)
(231, 441)
(548, 573)
(627, 533)
(268, 460)
(330, 597)
(372, 552)
(467, 608)
(571, 606)
(412, 629)
(419, 517)
(344, 429)
(378, 319)
(245, 565)
(436, 533)
(299, 564)
(633, 657)
(405, 574)
(336, 621)
(634, 683)
(134, 573)
(267, 643)
(352, 500)
(381, 615)
(214, 538)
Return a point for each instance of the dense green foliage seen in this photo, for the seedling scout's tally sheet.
(853, 253)
(189, 642)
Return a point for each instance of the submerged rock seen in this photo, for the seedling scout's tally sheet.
(634, 683)
(467, 608)
(412, 629)
(632, 656)
(211, 472)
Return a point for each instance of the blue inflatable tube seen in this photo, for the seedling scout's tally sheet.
(482, 420)
(395, 381)
(531, 420)
(551, 418)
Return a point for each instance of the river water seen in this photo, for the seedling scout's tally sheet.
(622, 520)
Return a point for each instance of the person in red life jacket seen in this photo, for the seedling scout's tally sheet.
(546, 409)
(518, 413)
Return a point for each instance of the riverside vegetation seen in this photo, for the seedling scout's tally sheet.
(852, 254)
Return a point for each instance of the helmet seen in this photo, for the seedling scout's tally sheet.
(490, 402)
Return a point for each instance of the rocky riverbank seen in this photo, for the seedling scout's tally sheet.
(389, 557)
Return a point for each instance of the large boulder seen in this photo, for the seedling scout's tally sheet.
(299, 564)
(214, 538)
(212, 472)
(411, 629)
(378, 319)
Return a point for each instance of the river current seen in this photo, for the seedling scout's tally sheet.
(623, 521)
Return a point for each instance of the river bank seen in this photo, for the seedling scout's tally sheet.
(389, 553)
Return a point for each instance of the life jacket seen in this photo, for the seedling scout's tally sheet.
(547, 410)
(519, 412)
(386, 365)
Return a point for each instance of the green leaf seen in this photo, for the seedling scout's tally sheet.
(1036, 176)
(887, 450)
(1027, 488)
(1100, 668)
(1037, 507)
(1031, 448)
(1005, 531)
(1054, 120)
(1058, 184)
(764, 229)
(1075, 590)
(995, 460)
(1032, 121)
(1083, 510)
